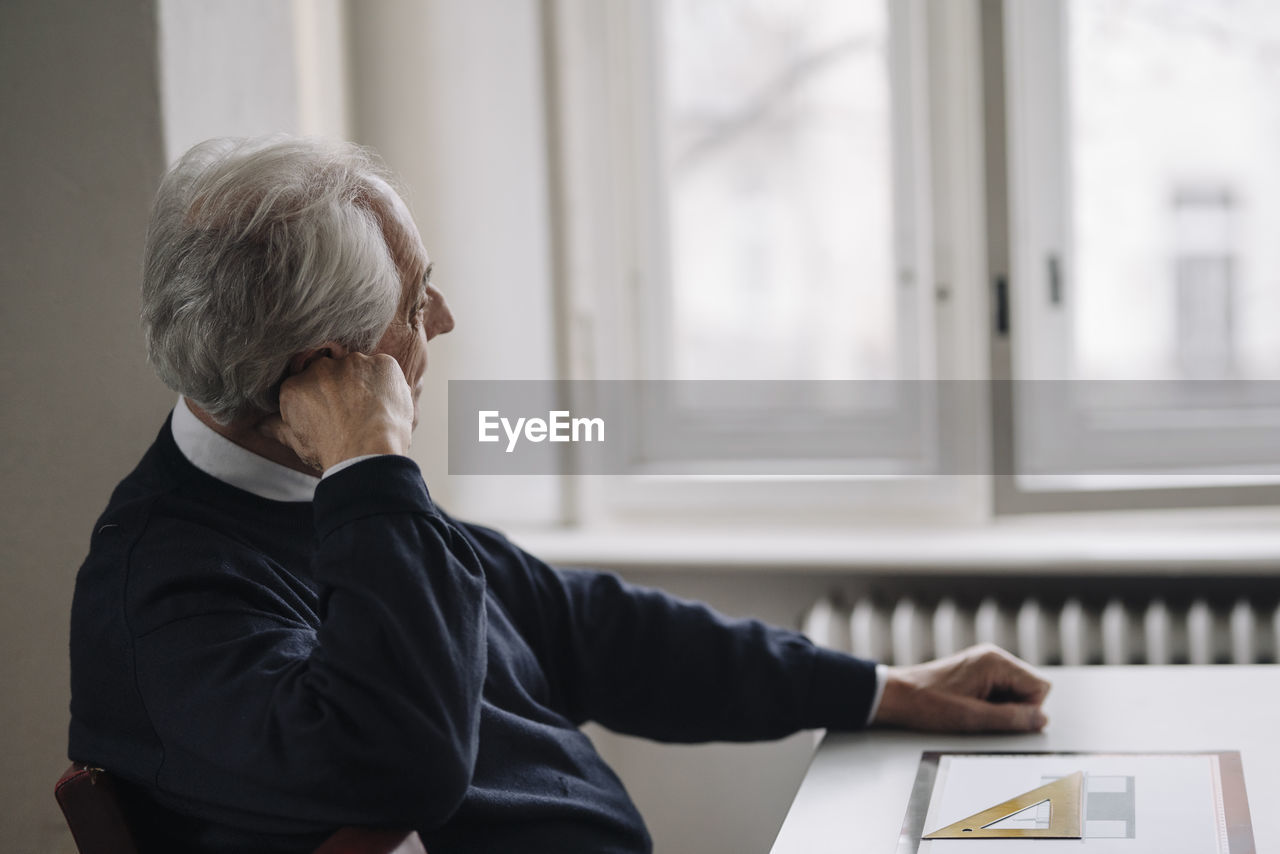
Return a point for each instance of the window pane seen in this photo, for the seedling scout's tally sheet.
(776, 143)
(1175, 154)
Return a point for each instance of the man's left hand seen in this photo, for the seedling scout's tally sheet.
(981, 689)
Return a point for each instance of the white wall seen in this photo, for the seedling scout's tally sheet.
(251, 67)
(227, 70)
(451, 95)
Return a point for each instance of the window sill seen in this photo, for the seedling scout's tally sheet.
(1201, 542)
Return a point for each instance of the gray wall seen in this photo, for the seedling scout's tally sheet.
(81, 155)
(89, 102)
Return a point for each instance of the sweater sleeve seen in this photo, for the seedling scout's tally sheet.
(644, 663)
(372, 718)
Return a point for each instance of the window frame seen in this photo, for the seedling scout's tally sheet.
(608, 235)
(1034, 257)
(974, 286)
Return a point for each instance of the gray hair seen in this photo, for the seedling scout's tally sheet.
(258, 250)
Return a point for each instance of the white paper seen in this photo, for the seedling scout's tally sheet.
(1175, 800)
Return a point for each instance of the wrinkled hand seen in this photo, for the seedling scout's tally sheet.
(339, 408)
(980, 689)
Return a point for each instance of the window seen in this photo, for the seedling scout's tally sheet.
(1144, 188)
(1070, 199)
(787, 126)
(764, 168)
(775, 121)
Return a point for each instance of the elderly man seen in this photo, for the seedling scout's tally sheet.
(277, 631)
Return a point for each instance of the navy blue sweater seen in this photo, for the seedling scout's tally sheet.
(262, 672)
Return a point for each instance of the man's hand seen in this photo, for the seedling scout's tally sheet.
(981, 689)
(339, 408)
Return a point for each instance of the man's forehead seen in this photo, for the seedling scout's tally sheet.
(401, 230)
(391, 198)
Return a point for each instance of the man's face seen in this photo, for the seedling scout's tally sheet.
(423, 313)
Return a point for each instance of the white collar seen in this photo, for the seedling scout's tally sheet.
(219, 457)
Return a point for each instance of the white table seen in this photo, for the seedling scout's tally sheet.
(854, 796)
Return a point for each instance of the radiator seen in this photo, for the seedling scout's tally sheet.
(1071, 631)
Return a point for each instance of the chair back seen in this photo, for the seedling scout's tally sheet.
(94, 811)
(360, 840)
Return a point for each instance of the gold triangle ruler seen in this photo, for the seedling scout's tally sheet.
(1064, 797)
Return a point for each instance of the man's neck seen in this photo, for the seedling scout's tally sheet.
(245, 433)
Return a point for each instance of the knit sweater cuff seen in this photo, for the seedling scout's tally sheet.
(842, 689)
(380, 485)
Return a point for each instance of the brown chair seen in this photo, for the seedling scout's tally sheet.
(95, 814)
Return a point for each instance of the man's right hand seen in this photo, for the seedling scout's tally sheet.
(344, 407)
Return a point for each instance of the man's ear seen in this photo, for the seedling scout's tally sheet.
(328, 350)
